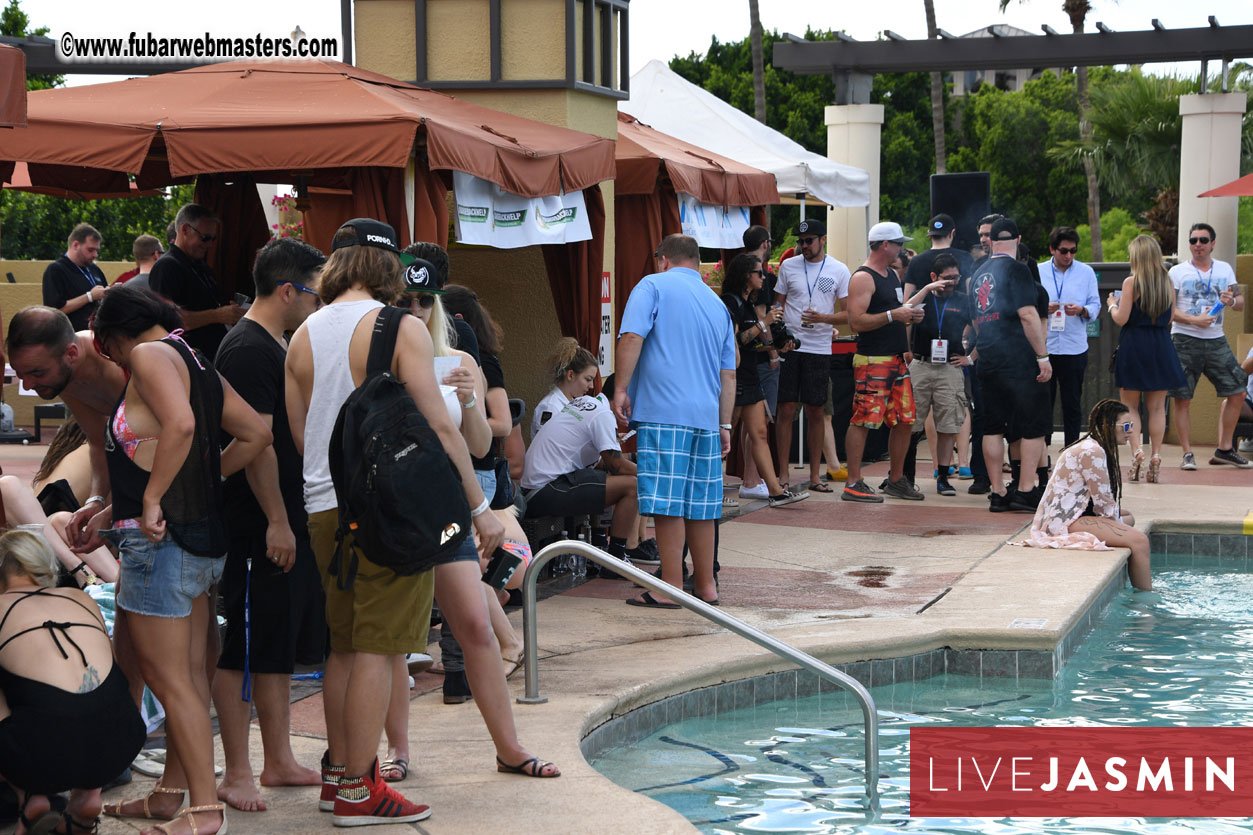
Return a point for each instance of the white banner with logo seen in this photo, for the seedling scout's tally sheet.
(713, 226)
(488, 215)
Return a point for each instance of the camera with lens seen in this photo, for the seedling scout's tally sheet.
(781, 336)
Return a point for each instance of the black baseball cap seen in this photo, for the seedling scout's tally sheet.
(374, 233)
(811, 227)
(1004, 230)
(422, 277)
(940, 226)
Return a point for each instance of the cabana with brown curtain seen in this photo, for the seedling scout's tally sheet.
(652, 169)
(354, 143)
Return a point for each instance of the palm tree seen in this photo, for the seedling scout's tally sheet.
(937, 93)
(1077, 11)
(759, 77)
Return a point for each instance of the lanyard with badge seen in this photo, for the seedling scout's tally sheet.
(91, 278)
(939, 347)
(809, 306)
(1057, 319)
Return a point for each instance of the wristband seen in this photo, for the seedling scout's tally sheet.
(725, 426)
(94, 499)
(82, 566)
(88, 295)
(474, 399)
(889, 317)
(1044, 358)
(481, 509)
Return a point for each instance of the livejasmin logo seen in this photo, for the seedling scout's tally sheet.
(1090, 771)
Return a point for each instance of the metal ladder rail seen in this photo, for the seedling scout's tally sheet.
(700, 607)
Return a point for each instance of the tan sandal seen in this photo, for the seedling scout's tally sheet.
(1155, 466)
(1137, 467)
(190, 813)
(114, 810)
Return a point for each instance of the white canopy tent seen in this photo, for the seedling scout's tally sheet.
(666, 101)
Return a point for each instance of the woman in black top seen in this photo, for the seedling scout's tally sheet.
(66, 718)
(165, 473)
(739, 293)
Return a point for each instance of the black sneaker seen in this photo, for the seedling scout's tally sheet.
(998, 502)
(902, 489)
(788, 496)
(944, 488)
(859, 491)
(640, 556)
(979, 487)
(1230, 456)
(1026, 502)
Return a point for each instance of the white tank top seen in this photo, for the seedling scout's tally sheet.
(330, 331)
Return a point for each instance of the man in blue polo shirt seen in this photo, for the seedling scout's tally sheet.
(1073, 302)
(676, 383)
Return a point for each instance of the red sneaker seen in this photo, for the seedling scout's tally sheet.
(368, 800)
(331, 775)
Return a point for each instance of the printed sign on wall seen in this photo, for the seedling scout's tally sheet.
(488, 215)
(713, 226)
(604, 356)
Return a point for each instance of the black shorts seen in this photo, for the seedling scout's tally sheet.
(287, 610)
(1014, 404)
(805, 378)
(580, 493)
(746, 394)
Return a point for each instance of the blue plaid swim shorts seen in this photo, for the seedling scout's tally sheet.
(679, 471)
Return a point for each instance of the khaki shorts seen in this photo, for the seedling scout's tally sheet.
(941, 391)
(383, 613)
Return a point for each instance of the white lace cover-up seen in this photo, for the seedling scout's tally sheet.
(1080, 475)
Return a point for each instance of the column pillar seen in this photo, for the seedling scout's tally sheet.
(853, 138)
(1209, 156)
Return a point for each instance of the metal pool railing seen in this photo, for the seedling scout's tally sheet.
(700, 607)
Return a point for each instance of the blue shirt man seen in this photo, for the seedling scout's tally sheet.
(675, 367)
(1073, 300)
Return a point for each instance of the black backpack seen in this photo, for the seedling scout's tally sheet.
(400, 498)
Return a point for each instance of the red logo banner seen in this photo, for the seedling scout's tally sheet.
(1081, 772)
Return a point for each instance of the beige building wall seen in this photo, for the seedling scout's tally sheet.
(512, 284)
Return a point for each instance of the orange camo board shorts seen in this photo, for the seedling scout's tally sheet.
(881, 392)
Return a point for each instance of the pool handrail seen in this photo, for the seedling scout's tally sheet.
(695, 604)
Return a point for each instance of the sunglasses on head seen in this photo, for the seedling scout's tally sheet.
(1064, 250)
(304, 289)
(805, 241)
(1198, 240)
(423, 300)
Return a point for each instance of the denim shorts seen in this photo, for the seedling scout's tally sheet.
(487, 482)
(160, 578)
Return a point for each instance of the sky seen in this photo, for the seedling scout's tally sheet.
(660, 29)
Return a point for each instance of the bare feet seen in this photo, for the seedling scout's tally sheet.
(241, 794)
(290, 774)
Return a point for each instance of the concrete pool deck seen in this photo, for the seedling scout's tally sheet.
(844, 582)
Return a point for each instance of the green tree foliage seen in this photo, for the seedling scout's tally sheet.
(36, 226)
(908, 148)
(1118, 230)
(14, 23)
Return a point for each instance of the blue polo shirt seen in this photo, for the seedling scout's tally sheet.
(688, 342)
(1076, 285)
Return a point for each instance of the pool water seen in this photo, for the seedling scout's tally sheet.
(1180, 655)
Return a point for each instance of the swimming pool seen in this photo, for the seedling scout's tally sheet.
(1182, 655)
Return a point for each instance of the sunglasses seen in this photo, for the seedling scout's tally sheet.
(1198, 240)
(304, 289)
(805, 241)
(203, 237)
(423, 300)
(754, 272)
(1062, 250)
(1127, 427)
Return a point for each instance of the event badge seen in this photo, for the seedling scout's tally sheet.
(939, 351)
(1057, 320)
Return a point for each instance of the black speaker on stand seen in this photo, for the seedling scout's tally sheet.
(967, 197)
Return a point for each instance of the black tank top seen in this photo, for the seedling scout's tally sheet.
(19, 688)
(885, 340)
(193, 504)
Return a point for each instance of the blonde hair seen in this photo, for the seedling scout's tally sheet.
(25, 553)
(1153, 287)
(569, 355)
(443, 332)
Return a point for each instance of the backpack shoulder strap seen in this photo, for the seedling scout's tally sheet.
(383, 342)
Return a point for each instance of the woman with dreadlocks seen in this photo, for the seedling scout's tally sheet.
(1080, 507)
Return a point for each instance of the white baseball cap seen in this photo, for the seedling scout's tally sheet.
(886, 231)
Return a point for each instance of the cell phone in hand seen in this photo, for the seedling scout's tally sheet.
(242, 300)
(500, 569)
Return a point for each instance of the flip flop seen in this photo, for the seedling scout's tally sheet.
(512, 665)
(820, 487)
(649, 602)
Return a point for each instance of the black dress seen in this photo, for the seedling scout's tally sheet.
(1146, 358)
